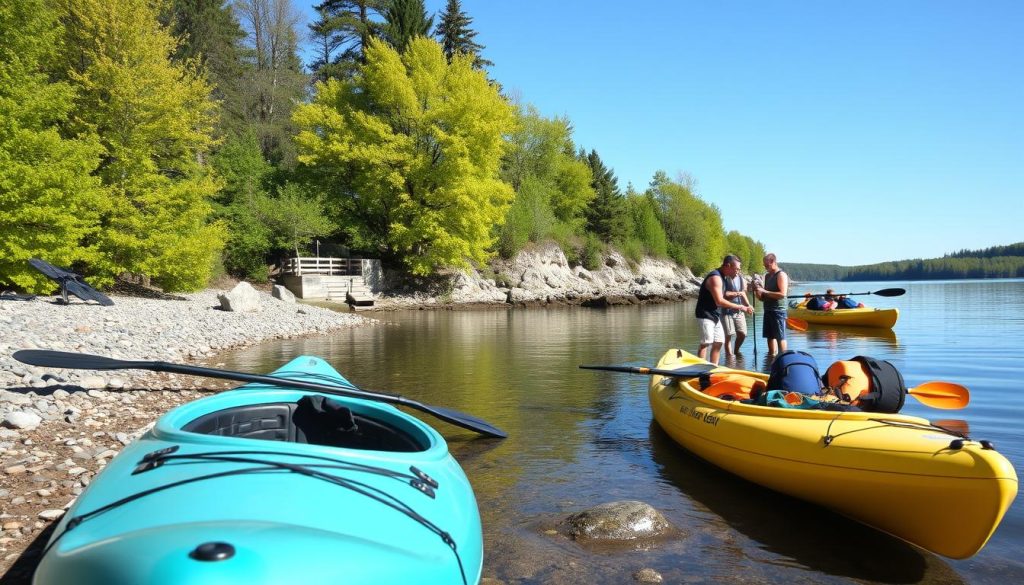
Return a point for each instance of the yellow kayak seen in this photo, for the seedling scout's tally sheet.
(862, 317)
(893, 472)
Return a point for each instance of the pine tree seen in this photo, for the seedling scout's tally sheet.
(48, 198)
(341, 34)
(210, 33)
(607, 215)
(405, 20)
(455, 36)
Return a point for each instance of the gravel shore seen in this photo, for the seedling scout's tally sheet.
(58, 428)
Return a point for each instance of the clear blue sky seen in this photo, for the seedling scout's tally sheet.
(834, 132)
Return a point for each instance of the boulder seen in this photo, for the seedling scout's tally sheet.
(240, 299)
(617, 521)
(282, 293)
(19, 419)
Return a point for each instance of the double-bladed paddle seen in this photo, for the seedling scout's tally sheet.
(885, 292)
(82, 361)
(945, 395)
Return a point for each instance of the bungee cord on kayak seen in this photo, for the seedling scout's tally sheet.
(268, 465)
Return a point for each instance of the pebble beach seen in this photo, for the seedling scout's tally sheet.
(58, 428)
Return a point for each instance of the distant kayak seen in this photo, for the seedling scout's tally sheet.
(861, 317)
(263, 485)
(898, 473)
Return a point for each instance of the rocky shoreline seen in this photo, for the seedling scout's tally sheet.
(60, 427)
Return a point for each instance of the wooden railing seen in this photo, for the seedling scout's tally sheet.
(325, 266)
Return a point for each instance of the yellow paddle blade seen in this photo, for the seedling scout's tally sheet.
(798, 324)
(941, 395)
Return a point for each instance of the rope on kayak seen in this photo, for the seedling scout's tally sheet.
(829, 437)
(369, 491)
(415, 478)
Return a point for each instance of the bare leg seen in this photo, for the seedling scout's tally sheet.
(740, 338)
(782, 345)
(716, 349)
(728, 345)
(702, 351)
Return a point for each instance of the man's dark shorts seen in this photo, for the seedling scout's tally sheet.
(774, 324)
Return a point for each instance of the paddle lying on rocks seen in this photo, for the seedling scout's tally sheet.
(82, 361)
(885, 292)
(685, 372)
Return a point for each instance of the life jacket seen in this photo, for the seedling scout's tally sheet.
(730, 385)
(795, 371)
(816, 303)
(873, 385)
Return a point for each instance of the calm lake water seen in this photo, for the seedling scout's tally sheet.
(579, 438)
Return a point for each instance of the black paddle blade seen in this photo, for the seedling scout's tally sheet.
(82, 361)
(890, 292)
(684, 372)
(73, 361)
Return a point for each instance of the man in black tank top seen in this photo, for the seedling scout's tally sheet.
(773, 293)
(710, 297)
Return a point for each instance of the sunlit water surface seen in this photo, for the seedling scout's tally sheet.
(579, 438)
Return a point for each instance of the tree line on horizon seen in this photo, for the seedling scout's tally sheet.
(177, 140)
(995, 262)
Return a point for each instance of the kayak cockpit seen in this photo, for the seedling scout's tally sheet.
(312, 419)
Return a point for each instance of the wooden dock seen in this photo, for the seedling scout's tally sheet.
(334, 279)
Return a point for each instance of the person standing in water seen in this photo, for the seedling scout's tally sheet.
(710, 298)
(734, 322)
(773, 294)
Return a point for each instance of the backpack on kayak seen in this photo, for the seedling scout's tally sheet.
(795, 371)
(871, 384)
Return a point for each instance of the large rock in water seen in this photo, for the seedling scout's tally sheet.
(240, 299)
(617, 521)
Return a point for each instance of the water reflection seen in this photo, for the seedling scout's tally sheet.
(834, 335)
(793, 533)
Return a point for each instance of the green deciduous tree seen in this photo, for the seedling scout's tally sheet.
(693, 227)
(550, 181)
(408, 153)
(154, 119)
(455, 36)
(646, 228)
(48, 198)
(405, 20)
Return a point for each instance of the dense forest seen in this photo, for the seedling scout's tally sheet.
(178, 140)
(994, 262)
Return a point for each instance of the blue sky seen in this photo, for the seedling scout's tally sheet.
(834, 132)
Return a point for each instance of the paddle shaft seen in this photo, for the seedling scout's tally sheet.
(885, 292)
(68, 360)
(685, 372)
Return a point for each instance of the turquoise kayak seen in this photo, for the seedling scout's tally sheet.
(263, 485)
